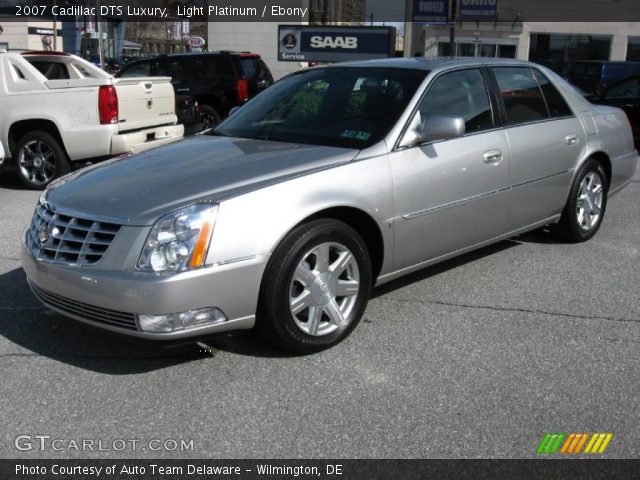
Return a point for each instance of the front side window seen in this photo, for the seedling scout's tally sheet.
(459, 94)
(344, 107)
(521, 95)
(555, 102)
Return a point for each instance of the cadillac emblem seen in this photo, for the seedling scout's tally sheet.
(43, 234)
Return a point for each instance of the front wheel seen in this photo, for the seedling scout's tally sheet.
(583, 213)
(315, 288)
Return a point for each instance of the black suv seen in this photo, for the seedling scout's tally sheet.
(219, 81)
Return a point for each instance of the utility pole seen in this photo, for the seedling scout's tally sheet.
(100, 45)
(55, 30)
(452, 28)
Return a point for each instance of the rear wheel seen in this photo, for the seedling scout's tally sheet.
(40, 159)
(583, 213)
(315, 288)
(209, 117)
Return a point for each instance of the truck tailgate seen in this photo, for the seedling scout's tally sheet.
(144, 102)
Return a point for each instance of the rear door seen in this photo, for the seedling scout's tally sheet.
(546, 139)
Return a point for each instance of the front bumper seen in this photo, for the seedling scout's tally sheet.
(97, 297)
(139, 141)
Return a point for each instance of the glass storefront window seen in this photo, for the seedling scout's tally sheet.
(633, 49)
(507, 51)
(485, 49)
(557, 51)
(466, 49)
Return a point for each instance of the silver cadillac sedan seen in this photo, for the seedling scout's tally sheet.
(332, 181)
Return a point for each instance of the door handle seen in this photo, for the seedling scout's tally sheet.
(492, 157)
(182, 90)
(571, 139)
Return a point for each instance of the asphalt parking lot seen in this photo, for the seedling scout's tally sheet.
(476, 357)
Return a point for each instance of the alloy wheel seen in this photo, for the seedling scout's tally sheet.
(324, 289)
(37, 162)
(589, 201)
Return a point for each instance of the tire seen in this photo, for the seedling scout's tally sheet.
(300, 309)
(209, 117)
(586, 205)
(39, 160)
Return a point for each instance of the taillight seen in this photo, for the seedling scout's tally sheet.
(243, 90)
(108, 104)
(197, 108)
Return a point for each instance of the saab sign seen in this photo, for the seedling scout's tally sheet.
(478, 9)
(313, 43)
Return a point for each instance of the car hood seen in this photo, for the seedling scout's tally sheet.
(137, 189)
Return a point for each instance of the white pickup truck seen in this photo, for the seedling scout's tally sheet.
(57, 108)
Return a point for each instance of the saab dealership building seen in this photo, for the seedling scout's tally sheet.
(552, 32)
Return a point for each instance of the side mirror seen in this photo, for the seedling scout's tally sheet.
(233, 110)
(435, 127)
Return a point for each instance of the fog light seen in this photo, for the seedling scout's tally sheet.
(180, 321)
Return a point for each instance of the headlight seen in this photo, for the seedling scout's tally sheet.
(180, 240)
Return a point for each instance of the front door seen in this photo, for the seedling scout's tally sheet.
(451, 194)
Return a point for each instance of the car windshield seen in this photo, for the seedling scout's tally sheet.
(344, 107)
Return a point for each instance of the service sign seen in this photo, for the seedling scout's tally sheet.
(478, 9)
(313, 43)
(431, 11)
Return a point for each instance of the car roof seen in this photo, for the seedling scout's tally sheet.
(437, 63)
(203, 54)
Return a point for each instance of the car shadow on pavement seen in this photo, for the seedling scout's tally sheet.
(442, 267)
(32, 327)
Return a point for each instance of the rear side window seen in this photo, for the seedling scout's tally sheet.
(249, 67)
(220, 67)
(459, 94)
(51, 70)
(521, 95)
(555, 102)
(173, 69)
(137, 70)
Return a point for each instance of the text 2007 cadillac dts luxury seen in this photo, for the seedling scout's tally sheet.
(333, 180)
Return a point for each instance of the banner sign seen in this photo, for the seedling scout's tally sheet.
(313, 43)
(478, 9)
(431, 11)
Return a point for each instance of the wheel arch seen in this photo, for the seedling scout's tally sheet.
(363, 224)
(21, 127)
(605, 161)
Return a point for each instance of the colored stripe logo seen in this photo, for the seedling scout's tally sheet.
(573, 443)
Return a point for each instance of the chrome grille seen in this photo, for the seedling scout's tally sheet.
(70, 240)
(86, 311)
